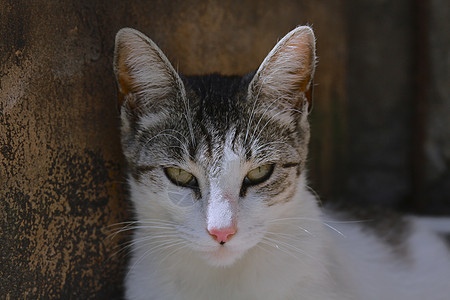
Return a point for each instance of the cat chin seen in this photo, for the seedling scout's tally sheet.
(221, 257)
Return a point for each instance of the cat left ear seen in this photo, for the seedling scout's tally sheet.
(141, 68)
(287, 72)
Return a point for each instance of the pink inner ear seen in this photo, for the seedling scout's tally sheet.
(288, 69)
(296, 56)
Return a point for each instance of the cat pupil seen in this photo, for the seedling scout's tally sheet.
(259, 174)
(180, 177)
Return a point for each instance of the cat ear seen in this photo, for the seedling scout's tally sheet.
(143, 72)
(287, 72)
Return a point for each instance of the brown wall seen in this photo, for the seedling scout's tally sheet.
(61, 171)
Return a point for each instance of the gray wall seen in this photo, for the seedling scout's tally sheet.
(399, 104)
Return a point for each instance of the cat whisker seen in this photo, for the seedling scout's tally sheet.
(261, 246)
(279, 244)
(141, 224)
(275, 245)
(146, 239)
(158, 247)
(285, 244)
(252, 114)
(291, 235)
(161, 243)
(174, 131)
(266, 157)
(162, 133)
(265, 111)
(165, 133)
(290, 219)
(177, 147)
(263, 114)
(316, 195)
(157, 221)
(324, 222)
(254, 140)
(305, 230)
(117, 231)
(317, 220)
(334, 229)
(134, 227)
(135, 245)
(121, 223)
(174, 251)
(187, 116)
(143, 240)
(271, 143)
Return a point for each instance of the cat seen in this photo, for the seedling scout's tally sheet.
(218, 183)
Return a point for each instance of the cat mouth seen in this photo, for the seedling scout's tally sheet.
(222, 255)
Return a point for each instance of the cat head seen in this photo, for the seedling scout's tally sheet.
(213, 159)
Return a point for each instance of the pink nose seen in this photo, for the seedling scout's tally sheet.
(222, 235)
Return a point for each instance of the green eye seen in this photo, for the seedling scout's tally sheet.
(259, 174)
(180, 177)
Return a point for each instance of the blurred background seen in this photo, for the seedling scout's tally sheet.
(380, 124)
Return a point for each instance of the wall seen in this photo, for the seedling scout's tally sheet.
(398, 104)
(436, 172)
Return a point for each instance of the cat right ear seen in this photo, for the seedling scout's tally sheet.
(286, 74)
(143, 73)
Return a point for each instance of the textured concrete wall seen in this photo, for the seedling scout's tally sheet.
(60, 161)
(61, 171)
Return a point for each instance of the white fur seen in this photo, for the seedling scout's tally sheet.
(247, 267)
(305, 260)
(222, 207)
(370, 269)
(221, 211)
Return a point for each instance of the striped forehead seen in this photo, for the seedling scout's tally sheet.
(218, 122)
(218, 151)
(212, 141)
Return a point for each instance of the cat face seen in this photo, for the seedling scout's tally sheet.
(213, 159)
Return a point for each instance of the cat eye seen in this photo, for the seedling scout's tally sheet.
(181, 177)
(259, 174)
